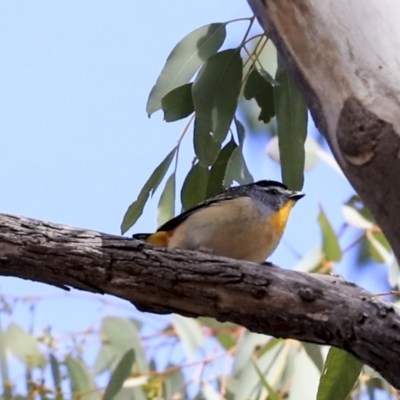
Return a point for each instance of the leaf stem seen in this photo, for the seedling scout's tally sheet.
(247, 31)
(183, 133)
(240, 20)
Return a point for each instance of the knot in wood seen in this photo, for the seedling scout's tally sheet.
(358, 132)
(361, 318)
(307, 294)
(259, 293)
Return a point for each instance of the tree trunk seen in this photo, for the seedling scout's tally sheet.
(344, 56)
(266, 299)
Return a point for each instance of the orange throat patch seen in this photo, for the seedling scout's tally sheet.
(279, 219)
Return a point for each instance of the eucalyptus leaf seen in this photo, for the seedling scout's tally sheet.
(311, 260)
(341, 371)
(240, 131)
(136, 208)
(354, 218)
(209, 392)
(330, 243)
(184, 60)
(55, 371)
(131, 393)
(248, 379)
(291, 114)
(194, 187)
(372, 248)
(263, 92)
(237, 170)
(189, 332)
(245, 348)
(272, 395)
(166, 205)
(7, 388)
(24, 346)
(314, 352)
(174, 384)
(205, 146)
(120, 374)
(178, 103)
(304, 382)
(81, 380)
(218, 170)
(216, 92)
(267, 76)
(119, 336)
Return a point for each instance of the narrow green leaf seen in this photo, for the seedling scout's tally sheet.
(189, 332)
(24, 346)
(106, 359)
(205, 146)
(305, 375)
(216, 91)
(356, 202)
(166, 205)
(136, 208)
(311, 260)
(131, 393)
(266, 75)
(185, 59)
(263, 92)
(240, 131)
(55, 371)
(223, 331)
(7, 385)
(194, 187)
(245, 348)
(178, 103)
(354, 218)
(272, 395)
(387, 256)
(122, 335)
(120, 374)
(291, 114)
(209, 392)
(341, 371)
(248, 380)
(82, 383)
(376, 254)
(330, 243)
(314, 352)
(271, 343)
(174, 385)
(237, 169)
(218, 169)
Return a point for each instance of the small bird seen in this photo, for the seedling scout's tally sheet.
(244, 222)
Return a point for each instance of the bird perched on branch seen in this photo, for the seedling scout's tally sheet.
(244, 222)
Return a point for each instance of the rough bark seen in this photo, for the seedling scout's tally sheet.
(345, 57)
(266, 299)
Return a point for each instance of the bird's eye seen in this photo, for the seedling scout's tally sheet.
(274, 191)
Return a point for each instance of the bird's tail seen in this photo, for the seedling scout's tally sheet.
(141, 236)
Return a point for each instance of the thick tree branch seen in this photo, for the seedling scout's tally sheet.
(345, 57)
(308, 307)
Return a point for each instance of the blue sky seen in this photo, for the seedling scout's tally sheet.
(76, 143)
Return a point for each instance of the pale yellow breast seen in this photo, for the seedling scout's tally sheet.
(233, 228)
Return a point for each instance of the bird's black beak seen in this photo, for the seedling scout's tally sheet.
(296, 196)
